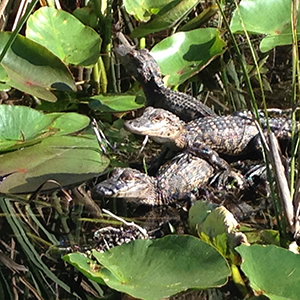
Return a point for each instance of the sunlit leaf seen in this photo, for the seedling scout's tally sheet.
(69, 122)
(18, 122)
(33, 69)
(111, 103)
(66, 159)
(251, 15)
(51, 28)
(22, 126)
(272, 270)
(161, 267)
(184, 54)
(3, 80)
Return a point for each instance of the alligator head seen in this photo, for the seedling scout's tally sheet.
(127, 183)
(140, 64)
(161, 125)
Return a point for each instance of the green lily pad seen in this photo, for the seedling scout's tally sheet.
(69, 122)
(169, 16)
(22, 126)
(184, 54)
(272, 270)
(117, 103)
(161, 267)
(143, 9)
(277, 28)
(19, 122)
(67, 159)
(51, 28)
(33, 69)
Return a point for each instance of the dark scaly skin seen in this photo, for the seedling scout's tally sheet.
(206, 137)
(175, 180)
(141, 65)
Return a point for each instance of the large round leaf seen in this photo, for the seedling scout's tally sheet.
(184, 54)
(19, 123)
(66, 159)
(69, 122)
(33, 69)
(251, 15)
(155, 269)
(64, 35)
(22, 126)
(272, 270)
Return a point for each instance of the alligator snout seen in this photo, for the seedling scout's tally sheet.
(100, 190)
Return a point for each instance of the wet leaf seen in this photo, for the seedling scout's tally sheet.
(161, 267)
(51, 28)
(184, 54)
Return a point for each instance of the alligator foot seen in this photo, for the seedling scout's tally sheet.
(225, 177)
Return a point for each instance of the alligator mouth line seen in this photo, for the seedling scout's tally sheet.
(142, 130)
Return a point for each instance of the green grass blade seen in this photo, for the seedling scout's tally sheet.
(18, 28)
(35, 263)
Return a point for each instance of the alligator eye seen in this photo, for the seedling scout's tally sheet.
(158, 118)
(115, 172)
(127, 176)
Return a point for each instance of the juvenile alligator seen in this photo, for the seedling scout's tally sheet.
(176, 180)
(207, 137)
(141, 65)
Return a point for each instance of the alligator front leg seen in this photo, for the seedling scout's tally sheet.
(201, 150)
